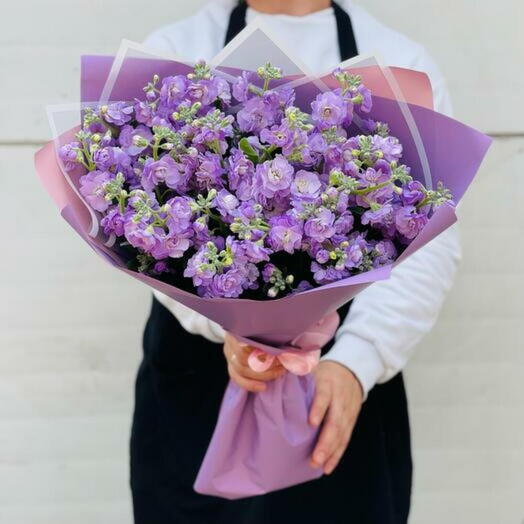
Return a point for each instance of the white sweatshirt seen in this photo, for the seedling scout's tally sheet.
(388, 319)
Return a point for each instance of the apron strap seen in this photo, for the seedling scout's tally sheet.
(346, 38)
(237, 21)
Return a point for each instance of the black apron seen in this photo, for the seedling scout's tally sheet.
(179, 388)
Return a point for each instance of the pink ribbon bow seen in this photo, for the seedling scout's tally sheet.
(303, 353)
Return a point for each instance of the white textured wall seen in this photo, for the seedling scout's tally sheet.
(67, 363)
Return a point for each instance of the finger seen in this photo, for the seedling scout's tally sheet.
(234, 353)
(332, 462)
(320, 404)
(254, 386)
(348, 419)
(330, 436)
(241, 352)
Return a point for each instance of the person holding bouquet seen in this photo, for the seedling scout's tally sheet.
(360, 403)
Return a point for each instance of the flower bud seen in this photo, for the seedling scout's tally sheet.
(272, 292)
(140, 141)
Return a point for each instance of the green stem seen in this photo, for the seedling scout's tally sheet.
(122, 204)
(212, 215)
(267, 153)
(83, 162)
(90, 164)
(423, 202)
(215, 146)
(370, 189)
(155, 147)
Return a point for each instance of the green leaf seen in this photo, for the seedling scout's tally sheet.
(248, 150)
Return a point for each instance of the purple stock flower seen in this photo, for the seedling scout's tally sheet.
(178, 210)
(274, 176)
(306, 185)
(412, 193)
(158, 172)
(210, 171)
(229, 284)
(92, 188)
(390, 147)
(223, 90)
(367, 103)
(321, 227)
(241, 86)
(285, 233)
(68, 153)
(171, 244)
(369, 178)
(160, 267)
(329, 109)
(279, 136)
(255, 252)
(322, 256)
(199, 269)
(113, 222)
(267, 272)
(140, 235)
(409, 221)
(303, 285)
(144, 112)
(117, 113)
(134, 140)
(344, 223)
(354, 256)
(382, 216)
(104, 158)
(384, 252)
(202, 235)
(254, 116)
(327, 274)
(226, 202)
(173, 90)
(372, 177)
(240, 175)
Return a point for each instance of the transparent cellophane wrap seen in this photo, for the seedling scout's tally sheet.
(262, 442)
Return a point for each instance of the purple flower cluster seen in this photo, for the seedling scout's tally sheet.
(234, 189)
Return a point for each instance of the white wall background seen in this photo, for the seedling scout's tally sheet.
(67, 363)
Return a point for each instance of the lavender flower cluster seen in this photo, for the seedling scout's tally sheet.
(238, 190)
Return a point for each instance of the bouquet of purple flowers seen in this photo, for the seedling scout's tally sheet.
(232, 190)
(255, 196)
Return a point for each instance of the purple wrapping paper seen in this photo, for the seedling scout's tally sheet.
(260, 438)
(263, 441)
